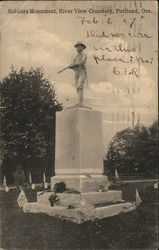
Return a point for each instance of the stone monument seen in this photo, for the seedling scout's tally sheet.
(79, 164)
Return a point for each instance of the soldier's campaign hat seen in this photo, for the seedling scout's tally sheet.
(80, 43)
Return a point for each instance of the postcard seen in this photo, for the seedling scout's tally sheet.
(79, 112)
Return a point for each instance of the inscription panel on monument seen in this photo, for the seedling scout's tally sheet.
(91, 141)
(79, 148)
(67, 142)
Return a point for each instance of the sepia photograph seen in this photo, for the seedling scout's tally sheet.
(79, 125)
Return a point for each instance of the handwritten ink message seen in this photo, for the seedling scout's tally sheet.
(117, 33)
(118, 38)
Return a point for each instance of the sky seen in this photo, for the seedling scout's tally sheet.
(48, 40)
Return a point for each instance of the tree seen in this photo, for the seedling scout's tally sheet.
(134, 150)
(153, 150)
(28, 106)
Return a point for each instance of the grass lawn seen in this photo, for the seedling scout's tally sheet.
(135, 230)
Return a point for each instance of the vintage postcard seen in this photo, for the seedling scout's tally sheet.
(79, 124)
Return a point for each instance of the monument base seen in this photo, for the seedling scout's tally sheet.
(93, 199)
(81, 207)
(79, 164)
(82, 183)
(79, 215)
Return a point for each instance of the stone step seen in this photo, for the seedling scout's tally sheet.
(79, 215)
(112, 210)
(93, 198)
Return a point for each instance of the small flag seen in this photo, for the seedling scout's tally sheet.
(156, 185)
(138, 198)
(45, 185)
(4, 181)
(5, 187)
(44, 177)
(22, 198)
(30, 178)
(116, 174)
(44, 180)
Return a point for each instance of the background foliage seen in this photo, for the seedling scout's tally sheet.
(134, 150)
(28, 106)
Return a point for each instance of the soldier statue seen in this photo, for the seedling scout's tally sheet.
(79, 67)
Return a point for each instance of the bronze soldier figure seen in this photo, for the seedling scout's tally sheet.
(79, 67)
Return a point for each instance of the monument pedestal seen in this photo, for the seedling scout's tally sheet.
(79, 164)
(79, 150)
(82, 183)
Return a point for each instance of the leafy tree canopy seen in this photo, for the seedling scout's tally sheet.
(134, 150)
(28, 105)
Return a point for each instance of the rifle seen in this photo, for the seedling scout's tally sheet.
(63, 69)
